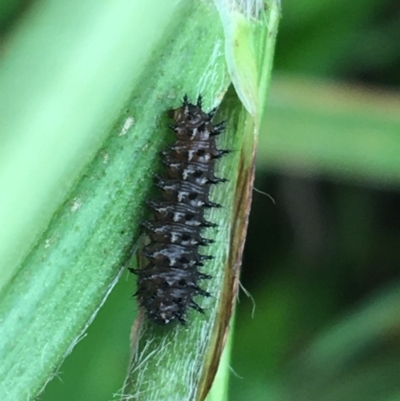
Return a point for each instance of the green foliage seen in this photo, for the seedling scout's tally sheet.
(69, 195)
(82, 99)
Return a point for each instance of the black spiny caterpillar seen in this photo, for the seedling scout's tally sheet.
(168, 283)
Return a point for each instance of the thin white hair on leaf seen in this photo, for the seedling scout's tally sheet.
(249, 8)
(82, 334)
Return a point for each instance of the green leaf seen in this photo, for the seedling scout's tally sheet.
(324, 128)
(180, 362)
(85, 90)
(351, 359)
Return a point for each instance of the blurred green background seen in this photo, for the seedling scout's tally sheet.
(321, 264)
